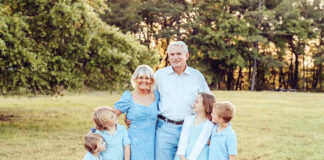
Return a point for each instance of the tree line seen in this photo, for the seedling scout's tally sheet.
(277, 44)
(50, 45)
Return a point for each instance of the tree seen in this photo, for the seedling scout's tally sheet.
(216, 40)
(153, 21)
(123, 14)
(226, 37)
(72, 46)
(314, 10)
(295, 30)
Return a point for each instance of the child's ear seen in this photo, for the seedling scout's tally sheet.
(221, 120)
(96, 150)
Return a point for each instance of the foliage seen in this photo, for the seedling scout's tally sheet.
(157, 21)
(50, 45)
(225, 36)
(217, 41)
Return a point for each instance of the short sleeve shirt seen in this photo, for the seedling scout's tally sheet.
(222, 144)
(89, 156)
(114, 143)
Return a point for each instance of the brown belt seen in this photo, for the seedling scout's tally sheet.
(170, 121)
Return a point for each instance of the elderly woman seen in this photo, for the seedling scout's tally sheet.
(141, 108)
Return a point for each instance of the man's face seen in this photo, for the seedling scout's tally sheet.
(177, 57)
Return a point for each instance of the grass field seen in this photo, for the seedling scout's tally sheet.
(269, 125)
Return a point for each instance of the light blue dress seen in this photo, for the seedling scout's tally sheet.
(194, 133)
(142, 129)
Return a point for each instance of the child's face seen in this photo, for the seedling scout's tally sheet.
(198, 105)
(215, 117)
(101, 145)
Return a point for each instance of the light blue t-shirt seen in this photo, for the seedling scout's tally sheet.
(222, 144)
(89, 156)
(114, 143)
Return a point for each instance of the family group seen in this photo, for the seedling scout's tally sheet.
(171, 115)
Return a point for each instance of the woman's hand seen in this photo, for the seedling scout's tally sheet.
(127, 121)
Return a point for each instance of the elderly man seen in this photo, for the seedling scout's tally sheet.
(178, 86)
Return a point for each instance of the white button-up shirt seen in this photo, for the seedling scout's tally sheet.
(178, 92)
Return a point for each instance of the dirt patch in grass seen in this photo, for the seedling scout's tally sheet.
(7, 117)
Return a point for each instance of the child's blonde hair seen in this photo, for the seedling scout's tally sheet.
(208, 100)
(102, 116)
(226, 110)
(91, 140)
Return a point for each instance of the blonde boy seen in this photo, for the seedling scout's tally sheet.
(115, 135)
(223, 143)
(94, 144)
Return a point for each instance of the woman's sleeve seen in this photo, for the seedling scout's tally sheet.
(125, 102)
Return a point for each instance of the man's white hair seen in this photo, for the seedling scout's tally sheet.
(178, 43)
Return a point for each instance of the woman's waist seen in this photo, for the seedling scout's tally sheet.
(142, 120)
(142, 127)
(141, 116)
(148, 125)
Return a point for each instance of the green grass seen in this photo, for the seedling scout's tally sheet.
(269, 125)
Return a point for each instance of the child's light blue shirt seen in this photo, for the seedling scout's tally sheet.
(114, 143)
(222, 144)
(89, 156)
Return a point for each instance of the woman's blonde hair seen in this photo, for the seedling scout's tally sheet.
(102, 116)
(143, 70)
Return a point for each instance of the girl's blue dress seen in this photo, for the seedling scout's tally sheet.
(142, 129)
(194, 133)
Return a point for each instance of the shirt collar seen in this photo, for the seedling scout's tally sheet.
(92, 157)
(226, 131)
(117, 130)
(186, 71)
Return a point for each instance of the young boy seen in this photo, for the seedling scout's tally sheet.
(223, 143)
(115, 135)
(94, 144)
